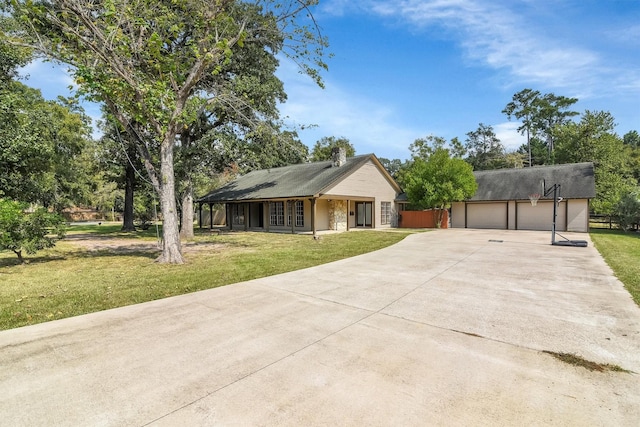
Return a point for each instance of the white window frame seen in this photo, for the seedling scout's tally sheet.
(276, 213)
(385, 213)
(299, 208)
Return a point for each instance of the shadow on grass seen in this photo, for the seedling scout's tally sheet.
(81, 254)
(117, 253)
(14, 262)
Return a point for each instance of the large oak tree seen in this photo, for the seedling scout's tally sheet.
(152, 62)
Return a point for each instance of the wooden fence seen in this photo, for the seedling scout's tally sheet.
(422, 219)
(608, 221)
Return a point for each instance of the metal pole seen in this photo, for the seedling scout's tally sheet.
(555, 213)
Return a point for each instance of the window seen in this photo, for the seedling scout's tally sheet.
(386, 213)
(276, 213)
(299, 213)
(295, 208)
(237, 214)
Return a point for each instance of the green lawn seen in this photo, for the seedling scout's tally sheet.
(622, 252)
(70, 280)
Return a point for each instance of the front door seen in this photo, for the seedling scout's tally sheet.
(364, 214)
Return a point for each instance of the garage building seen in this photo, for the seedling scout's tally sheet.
(502, 199)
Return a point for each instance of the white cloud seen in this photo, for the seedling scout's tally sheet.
(627, 35)
(52, 78)
(369, 125)
(502, 37)
(334, 7)
(507, 133)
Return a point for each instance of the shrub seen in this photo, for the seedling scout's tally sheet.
(29, 232)
(628, 210)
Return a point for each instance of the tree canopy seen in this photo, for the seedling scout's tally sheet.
(41, 145)
(593, 140)
(156, 65)
(539, 115)
(437, 180)
(322, 149)
(522, 107)
(484, 149)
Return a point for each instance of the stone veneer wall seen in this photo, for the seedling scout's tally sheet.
(338, 215)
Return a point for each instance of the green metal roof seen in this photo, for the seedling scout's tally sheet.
(301, 180)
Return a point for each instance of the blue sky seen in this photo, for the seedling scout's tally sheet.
(405, 69)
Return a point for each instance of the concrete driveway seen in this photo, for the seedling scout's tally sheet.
(445, 328)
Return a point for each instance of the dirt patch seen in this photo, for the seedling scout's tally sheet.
(94, 243)
(575, 360)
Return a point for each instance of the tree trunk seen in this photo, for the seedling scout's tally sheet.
(19, 253)
(529, 147)
(130, 179)
(439, 215)
(171, 247)
(186, 230)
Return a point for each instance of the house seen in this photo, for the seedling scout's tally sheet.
(502, 199)
(339, 194)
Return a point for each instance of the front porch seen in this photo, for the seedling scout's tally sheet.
(294, 215)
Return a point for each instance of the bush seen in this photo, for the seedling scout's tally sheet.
(628, 210)
(28, 232)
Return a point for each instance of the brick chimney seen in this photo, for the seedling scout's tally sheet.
(338, 157)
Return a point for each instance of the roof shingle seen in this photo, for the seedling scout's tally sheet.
(301, 180)
(577, 181)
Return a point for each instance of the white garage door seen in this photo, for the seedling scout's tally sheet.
(487, 215)
(540, 217)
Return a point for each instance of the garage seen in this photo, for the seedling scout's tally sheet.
(487, 215)
(502, 199)
(540, 217)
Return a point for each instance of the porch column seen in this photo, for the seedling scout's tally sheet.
(211, 216)
(245, 211)
(200, 216)
(373, 214)
(267, 215)
(228, 218)
(348, 213)
(313, 218)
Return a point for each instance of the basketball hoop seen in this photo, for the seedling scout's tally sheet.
(534, 198)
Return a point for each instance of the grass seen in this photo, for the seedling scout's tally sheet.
(69, 280)
(622, 252)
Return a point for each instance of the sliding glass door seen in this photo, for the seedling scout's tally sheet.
(364, 216)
